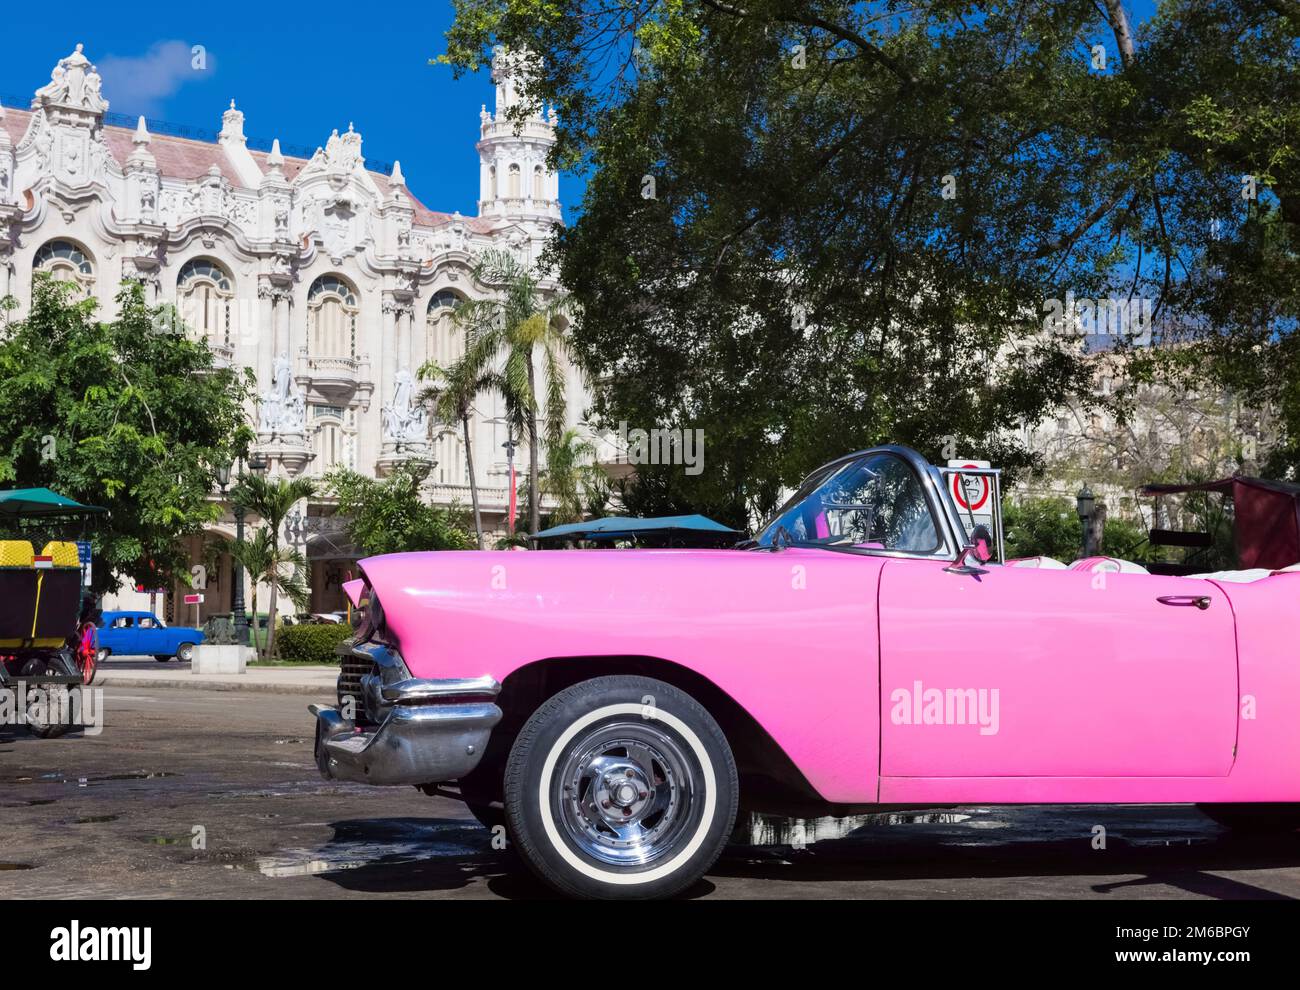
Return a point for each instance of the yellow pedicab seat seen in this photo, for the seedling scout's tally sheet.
(39, 597)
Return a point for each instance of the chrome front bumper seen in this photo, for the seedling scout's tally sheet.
(425, 731)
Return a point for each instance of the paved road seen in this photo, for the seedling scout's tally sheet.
(116, 815)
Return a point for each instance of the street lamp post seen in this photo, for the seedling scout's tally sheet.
(257, 464)
(510, 445)
(1086, 505)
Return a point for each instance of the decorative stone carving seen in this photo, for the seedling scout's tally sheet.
(406, 422)
(341, 154)
(397, 305)
(73, 83)
(232, 126)
(6, 161)
(283, 407)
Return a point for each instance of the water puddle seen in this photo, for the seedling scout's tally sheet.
(767, 830)
(166, 840)
(61, 777)
(408, 845)
(94, 819)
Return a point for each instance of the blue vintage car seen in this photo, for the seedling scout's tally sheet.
(140, 633)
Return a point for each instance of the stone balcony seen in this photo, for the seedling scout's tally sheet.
(223, 355)
(492, 498)
(334, 378)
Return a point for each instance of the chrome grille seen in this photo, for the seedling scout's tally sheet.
(353, 669)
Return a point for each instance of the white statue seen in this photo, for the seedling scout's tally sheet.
(405, 420)
(74, 82)
(283, 407)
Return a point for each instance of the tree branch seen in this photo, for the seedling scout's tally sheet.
(1120, 28)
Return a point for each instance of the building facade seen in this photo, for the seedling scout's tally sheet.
(329, 279)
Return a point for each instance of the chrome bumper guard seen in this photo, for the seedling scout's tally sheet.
(429, 731)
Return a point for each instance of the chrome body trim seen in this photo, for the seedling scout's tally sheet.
(430, 731)
(383, 656)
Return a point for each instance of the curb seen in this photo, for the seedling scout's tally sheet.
(199, 684)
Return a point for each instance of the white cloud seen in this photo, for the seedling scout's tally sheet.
(140, 84)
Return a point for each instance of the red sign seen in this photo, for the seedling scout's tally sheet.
(193, 599)
(971, 491)
(41, 560)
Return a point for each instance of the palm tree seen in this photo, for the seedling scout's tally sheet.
(453, 394)
(573, 479)
(272, 500)
(518, 323)
(266, 564)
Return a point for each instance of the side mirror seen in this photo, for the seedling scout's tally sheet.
(962, 564)
(978, 551)
(981, 542)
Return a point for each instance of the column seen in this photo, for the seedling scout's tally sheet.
(265, 360)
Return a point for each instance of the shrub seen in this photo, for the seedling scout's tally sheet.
(311, 644)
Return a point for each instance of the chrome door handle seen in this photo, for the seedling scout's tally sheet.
(1200, 601)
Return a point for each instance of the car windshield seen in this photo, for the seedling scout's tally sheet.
(870, 504)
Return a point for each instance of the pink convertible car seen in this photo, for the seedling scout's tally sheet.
(613, 709)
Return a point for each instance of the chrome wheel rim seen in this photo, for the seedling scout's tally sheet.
(627, 793)
(185, 653)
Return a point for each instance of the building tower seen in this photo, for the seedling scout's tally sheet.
(515, 182)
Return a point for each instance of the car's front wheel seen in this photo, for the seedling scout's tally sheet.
(620, 787)
(185, 652)
(1257, 819)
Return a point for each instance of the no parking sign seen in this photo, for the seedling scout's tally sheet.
(976, 495)
(971, 491)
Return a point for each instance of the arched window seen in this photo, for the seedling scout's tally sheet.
(539, 183)
(492, 182)
(446, 345)
(445, 341)
(449, 452)
(66, 262)
(512, 182)
(333, 437)
(332, 318)
(205, 296)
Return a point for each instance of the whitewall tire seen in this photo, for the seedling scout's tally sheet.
(620, 787)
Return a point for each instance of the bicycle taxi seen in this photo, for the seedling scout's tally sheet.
(47, 622)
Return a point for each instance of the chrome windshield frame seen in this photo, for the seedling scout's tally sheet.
(942, 512)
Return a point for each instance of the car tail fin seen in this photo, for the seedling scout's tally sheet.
(355, 590)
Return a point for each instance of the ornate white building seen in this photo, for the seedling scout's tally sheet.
(331, 280)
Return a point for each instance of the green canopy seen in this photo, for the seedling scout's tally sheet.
(27, 503)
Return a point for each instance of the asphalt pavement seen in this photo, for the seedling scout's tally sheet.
(202, 793)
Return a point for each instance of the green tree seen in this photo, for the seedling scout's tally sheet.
(510, 330)
(811, 227)
(127, 414)
(453, 393)
(390, 516)
(1042, 527)
(282, 569)
(578, 486)
(272, 500)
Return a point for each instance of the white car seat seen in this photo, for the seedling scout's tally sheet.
(1108, 565)
(1042, 563)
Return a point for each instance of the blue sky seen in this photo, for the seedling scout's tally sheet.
(297, 71)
